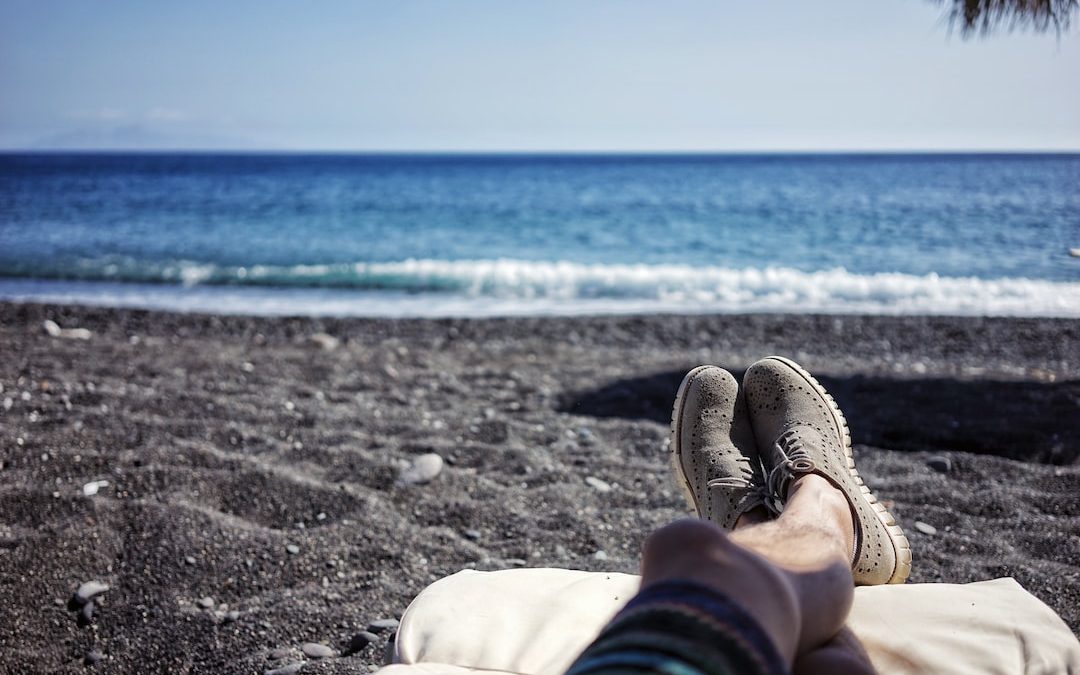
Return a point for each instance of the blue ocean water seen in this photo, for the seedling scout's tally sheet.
(535, 234)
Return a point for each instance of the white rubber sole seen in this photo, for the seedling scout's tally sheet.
(896, 534)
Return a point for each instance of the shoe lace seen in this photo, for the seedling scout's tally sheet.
(794, 459)
(755, 492)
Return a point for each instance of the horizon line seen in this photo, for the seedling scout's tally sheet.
(526, 152)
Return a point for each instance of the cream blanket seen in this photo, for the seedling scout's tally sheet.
(536, 621)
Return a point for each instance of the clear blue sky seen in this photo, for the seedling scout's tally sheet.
(546, 75)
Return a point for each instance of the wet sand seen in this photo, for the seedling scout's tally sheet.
(254, 464)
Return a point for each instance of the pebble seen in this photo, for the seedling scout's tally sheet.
(472, 534)
(92, 657)
(205, 602)
(190, 560)
(279, 653)
(361, 640)
(232, 616)
(940, 463)
(382, 625)
(424, 469)
(597, 484)
(925, 528)
(314, 650)
(293, 549)
(286, 670)
(91, 488)
(54, 330)
(88, 590)
(600, 555)
(325, 341)
(86, 614)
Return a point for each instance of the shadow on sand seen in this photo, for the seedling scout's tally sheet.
(1027, 421)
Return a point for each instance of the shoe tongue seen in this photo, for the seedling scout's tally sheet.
(808, 435)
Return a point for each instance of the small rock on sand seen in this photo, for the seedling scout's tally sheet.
(925, 528)
(940, 463)
(54, 330)
(86, 614)
(325, 341)
(361, 640)
(382, 625)
(91, 488)
(92, 657)
(424, 469)
(292, 549)
(597, 484)
(88, 590)
(205, 602)
(279, 653)
(314, 650)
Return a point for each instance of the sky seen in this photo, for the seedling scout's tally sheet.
(499, 75)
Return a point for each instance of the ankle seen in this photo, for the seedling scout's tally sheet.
(813, 497)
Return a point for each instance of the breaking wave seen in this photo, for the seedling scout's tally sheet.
(491, 287)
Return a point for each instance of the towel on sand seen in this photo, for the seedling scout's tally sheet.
(536, 621)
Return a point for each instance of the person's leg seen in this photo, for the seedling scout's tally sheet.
(769, 596)
(792, 575)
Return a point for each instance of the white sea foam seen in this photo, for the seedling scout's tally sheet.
(516, 287)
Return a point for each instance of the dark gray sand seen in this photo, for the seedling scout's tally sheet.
(251, 505)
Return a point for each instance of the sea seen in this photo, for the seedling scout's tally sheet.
(438, 235)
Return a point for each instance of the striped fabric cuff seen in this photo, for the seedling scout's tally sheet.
(681, 628)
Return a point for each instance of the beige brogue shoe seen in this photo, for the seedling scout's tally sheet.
(800, 430)
(713, 453)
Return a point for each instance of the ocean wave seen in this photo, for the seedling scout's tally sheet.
(484, 287)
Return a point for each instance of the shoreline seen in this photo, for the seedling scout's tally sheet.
(232, 441)
(504, 287)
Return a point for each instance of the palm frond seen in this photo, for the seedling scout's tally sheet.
(981, 17)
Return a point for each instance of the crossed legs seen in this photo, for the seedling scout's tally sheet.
(792, 574)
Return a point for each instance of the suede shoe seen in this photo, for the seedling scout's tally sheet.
(713, 453)
(800, 430)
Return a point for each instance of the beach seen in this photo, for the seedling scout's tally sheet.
(248, 471)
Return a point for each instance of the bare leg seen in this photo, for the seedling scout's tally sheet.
(792, 574)
(754, 516)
